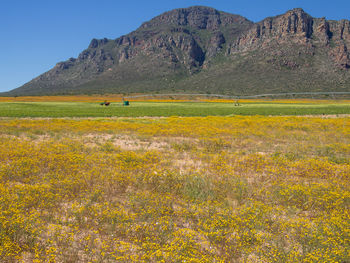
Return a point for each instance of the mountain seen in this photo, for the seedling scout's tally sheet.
(200, 49)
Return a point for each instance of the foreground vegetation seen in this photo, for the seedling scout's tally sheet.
(194, 189)
(169, 108)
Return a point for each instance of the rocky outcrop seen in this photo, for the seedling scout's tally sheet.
(295, 25)
(340, 55)
(215, 44)
(95, 43)
(299, 28)
(321, 31)
(340, 30)
(196, 17)
(192, 53)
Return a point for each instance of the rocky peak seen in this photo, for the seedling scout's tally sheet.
(196, 17)
(295, 25)
(95, 43)
(295, 21)
(298, 28)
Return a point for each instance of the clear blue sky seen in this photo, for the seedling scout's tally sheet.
(36, 34)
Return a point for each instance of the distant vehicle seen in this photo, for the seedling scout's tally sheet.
(106, 103)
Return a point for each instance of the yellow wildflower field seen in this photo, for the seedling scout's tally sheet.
(175, 189)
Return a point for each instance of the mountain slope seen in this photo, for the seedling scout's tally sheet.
(200, 49)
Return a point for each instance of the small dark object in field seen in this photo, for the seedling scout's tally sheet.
(126, 103)
(105, 103)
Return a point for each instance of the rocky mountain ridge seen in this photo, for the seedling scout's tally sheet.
(205, 50)
(298, 27)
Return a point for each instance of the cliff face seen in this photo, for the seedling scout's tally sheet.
(297, 27)
(182, 48)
